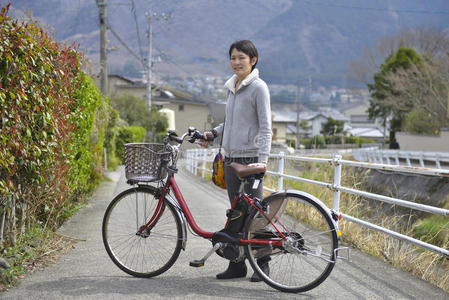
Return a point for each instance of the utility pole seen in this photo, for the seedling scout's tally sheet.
(103, 46)
(150, 57)
(298, 107)
(150, 16)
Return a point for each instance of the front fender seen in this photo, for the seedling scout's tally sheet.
(181, 217)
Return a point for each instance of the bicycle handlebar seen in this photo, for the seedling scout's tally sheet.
(172, 136)
(193, 133)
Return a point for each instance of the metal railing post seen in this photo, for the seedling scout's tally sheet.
(105, 159)
(337, 182)
(409, 163)
(189, 161)
(421, 160)
(397, 158)
(203, 171)
(437, 161)
(196, 161)
(281, 171)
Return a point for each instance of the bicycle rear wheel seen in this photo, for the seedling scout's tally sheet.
(306, 257)
(151, 252)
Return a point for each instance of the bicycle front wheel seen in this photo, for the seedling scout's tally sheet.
(306, 256)
(152, 251)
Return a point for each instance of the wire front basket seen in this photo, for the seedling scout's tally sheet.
(146, 162)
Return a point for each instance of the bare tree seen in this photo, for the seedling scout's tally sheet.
(431, 41)
(425, 87)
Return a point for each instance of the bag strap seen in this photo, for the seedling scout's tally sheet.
(224, 124)
(222, 134)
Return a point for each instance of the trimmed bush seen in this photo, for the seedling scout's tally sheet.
(134, 111)
(128, 134)
(53, 123)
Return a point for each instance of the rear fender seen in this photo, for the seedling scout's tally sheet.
(303, 195)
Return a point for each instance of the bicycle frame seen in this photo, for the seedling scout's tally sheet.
(171, 183)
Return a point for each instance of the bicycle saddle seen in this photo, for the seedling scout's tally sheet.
(244, 170)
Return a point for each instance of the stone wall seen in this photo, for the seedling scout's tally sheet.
(417, 142)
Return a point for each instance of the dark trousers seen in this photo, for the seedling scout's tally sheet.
(233, 182)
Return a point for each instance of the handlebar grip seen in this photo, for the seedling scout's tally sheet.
(198, 135)
(174, 137)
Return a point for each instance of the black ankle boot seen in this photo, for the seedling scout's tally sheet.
(263, 264)
(234, 270)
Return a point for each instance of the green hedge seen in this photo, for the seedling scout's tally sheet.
(128, 134)
(89, 118)
(52, 126)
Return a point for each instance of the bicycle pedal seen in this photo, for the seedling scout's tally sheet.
(200, 262)
(197, 263)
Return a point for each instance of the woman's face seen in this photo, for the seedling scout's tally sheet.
(241, 64)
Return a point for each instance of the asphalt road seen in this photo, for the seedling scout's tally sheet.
(87, 272)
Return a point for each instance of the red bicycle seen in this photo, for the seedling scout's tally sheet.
(145, 227)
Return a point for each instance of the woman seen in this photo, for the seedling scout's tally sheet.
(246, 133)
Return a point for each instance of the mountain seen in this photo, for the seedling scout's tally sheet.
(296, 39)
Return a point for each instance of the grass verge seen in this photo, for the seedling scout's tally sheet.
(35, 249)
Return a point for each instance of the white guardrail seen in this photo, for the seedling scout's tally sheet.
(423, 159)
(196, 160)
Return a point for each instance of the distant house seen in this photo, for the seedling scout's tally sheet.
(188, 111)
(367, 133)
(358, 116)
(280, 120)
(284, 123)
(361, 125)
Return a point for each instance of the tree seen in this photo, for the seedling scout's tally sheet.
(420, 83)
(304, 126)
(386, 101)
(332, 127)
(426, 88)
(419, 121)
(433, 41)
(134, 111)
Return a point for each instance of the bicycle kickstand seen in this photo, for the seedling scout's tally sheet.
(200, 262)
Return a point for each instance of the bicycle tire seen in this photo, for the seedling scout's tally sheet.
(308, 258)
(135, 254)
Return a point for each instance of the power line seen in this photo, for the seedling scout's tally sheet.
(408, 11)
(133, 10)
(125, 45)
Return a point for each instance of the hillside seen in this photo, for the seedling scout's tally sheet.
(297, 39)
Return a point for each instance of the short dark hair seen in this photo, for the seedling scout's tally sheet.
(246, 47)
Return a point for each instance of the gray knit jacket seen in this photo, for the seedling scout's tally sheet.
(247, 131)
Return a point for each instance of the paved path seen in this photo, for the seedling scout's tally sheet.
(88, 273)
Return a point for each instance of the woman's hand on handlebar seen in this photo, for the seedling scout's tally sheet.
(208, 138)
